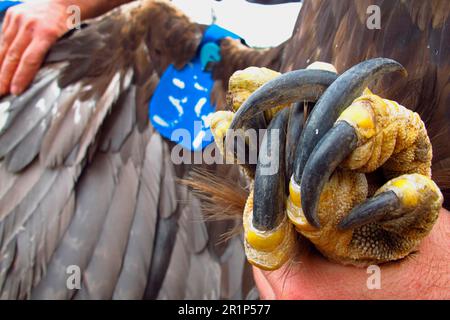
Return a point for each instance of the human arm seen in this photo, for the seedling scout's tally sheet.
(30, 29)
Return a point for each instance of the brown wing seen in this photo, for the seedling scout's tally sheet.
(416, 33)
(86, 181)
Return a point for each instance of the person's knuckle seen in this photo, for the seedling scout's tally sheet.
(13, 57)
(18, 16)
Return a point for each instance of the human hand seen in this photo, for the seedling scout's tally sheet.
(423, 275)
(29, 31)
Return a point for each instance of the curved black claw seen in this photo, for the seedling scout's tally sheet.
(335, 146)
(299, 85)
(349, 86)
(294, 86)
(372, 210)
(294, 131)
(269, 187)
(320, 152)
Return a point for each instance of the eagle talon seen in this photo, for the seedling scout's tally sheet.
(373, 210)
(269, 184)
(291, 87)
(349, 86)
(270, 249)
(371, 133)
(351, 132)
(269, 237)
(294, 209)
(401, 196)
(337, 144)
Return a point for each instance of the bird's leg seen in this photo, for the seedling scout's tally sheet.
(269, 237)
(375, 133)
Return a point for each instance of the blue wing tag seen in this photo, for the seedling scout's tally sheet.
(181, 108)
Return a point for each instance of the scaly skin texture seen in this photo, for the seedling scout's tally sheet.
(244, 82)
(392, 144)
(220, 123)
(394, 139)
(389, 135)
(267, 250)
(344, 191)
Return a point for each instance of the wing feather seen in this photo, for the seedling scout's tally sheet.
(136, 265)
(101, 274)
(85, 180)
(94, 193)
(26, 229)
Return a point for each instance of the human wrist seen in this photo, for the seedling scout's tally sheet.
(432, 270)
(423, 275)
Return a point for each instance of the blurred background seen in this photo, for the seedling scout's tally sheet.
(260, 26)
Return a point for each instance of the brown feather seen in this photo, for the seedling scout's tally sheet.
(101, 275)
(416, 33)
(113, 64)
(221, 198)
(136, 264)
